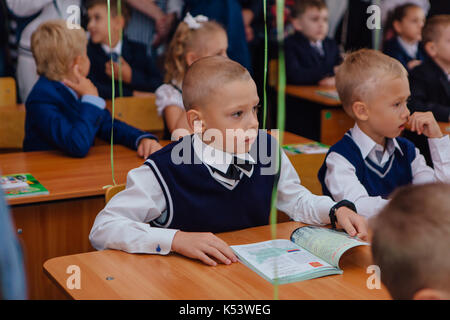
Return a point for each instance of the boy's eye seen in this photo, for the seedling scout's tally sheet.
(237, 114)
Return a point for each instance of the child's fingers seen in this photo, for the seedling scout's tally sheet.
(205, 259)
(223, 247)
(226, 250)
(213, 252)
(347, 224)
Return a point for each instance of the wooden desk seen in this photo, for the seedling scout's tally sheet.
(176, 277)
(334, 122)
(310, 93)
(445, 127)
(59, 223)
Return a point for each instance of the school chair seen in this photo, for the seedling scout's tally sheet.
(7, 92)
(112, 191)
(139, 112)
(12, 128)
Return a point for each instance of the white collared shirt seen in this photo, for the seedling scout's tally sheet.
(411, 49)
(342, 182)
(124, 223)
(319, 46)
(117, 49)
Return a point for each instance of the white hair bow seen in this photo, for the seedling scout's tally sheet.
(194, 23)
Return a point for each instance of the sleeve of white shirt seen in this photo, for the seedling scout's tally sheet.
(440, 154)
(25, 8)
(124, 223)
(166, 96)
(297, 201)
(342, 182)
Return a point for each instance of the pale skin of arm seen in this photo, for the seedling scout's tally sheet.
(176, 119)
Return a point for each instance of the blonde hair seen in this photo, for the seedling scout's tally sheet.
(55, 47)
(411, 237)
(207, 76)
(186, 39)
(360, 73)
(434, 27)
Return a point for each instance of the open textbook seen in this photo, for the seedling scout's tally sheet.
(311, 252)
(306, 148)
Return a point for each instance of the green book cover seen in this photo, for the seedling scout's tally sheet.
(21, 185)
(306, 148)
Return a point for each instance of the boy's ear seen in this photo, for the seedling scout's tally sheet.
(195, 118)
(360, 111)
(296, 24)
(397, 27)
(430, 48)
(190, 57)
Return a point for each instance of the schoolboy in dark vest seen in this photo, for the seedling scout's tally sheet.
(214, 180)
(371, 161)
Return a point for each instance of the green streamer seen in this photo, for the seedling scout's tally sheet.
(113, 95)
(281, 116)
(119, 13)
(265, 65)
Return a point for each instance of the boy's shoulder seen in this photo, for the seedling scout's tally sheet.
(428, 69)
(44, 89)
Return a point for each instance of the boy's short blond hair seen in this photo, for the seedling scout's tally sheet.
(411, 237)
(434, 27)
(207, 76)
(361, 72)
(55, 48)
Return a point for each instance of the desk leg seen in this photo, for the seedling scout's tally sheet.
(53, 229)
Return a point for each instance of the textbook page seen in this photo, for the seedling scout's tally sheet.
(325, 243)
(282, 260)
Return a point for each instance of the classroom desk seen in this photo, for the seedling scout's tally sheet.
(445, 127)
(334, 122)
(59, 224)
(140, 276)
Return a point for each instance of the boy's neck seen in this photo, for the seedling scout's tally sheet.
(381, 140)
(410, 42)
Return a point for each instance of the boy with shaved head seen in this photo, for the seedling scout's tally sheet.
(215, 180)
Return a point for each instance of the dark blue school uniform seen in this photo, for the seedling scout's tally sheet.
(304, 64)
(57, 119)
(394, 49)
(197, 202)
(145, 75)
(377, 180)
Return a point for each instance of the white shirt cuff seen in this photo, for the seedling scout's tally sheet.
(161, 242)
(96, 101)
(440, 149)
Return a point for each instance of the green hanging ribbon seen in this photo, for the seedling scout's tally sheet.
(113, 95)
(119, 13)
(281, 116)
(265, 65)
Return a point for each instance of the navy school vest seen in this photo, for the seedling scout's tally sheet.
(378, 181)
(196, 202)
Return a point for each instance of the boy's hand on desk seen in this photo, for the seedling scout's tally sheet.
(202, 246)
(425, 123)
(147, 147)
(352, 223)
(82, 85)
(328, 82)
(127, 72)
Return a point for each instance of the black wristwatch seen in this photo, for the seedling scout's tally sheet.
(343, 203)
